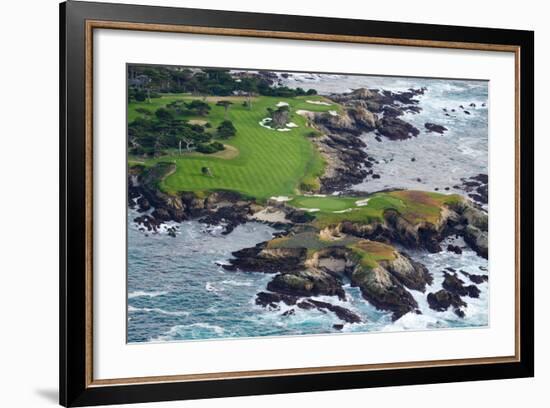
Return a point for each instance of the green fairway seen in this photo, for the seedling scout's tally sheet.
(415, 206)
(259, 162)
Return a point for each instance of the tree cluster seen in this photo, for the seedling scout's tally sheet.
(153, 134)
(146, 82)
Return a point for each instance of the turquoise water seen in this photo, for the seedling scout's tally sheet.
(177, 289)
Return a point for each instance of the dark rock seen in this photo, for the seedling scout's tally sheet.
(376, 176)
(466, 112)
(482, 178)
(341, 312)
(442, 300)
(161, 214)
(143, 204)
(396, 129)
(309, 282)
(306, 305)
(432, 127)
(299, 216)
(268, 260)
(148, 222)
(454, 248)
(384, 291)
(271, 299)
(229, 217)
(337, 326)
(289, 312)
(477, 279)
(456, 286)
(413, 159)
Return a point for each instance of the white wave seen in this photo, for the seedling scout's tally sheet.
(211, 288)
(132, 309)
(176, 330)
(142, 293)
(236, 283)
(413, 321)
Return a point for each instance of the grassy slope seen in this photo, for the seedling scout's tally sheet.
(268, 163)
(415, 206)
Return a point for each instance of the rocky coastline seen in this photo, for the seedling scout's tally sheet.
(301, 272)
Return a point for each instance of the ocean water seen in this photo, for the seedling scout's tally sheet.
(439, 160)
(177, 290)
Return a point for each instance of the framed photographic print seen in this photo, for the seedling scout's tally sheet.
(255, 203)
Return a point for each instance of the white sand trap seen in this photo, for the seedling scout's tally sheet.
(284, 130)
(362, 203)
(310, 209)
(319, 103)
(347, 210)
(291, 125)
(306, 113)
(336, 193)
(279, 104)
(271, 214)
(333, 113)
(281, 199)
(264, 123)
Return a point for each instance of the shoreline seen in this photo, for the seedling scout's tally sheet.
(347, 164)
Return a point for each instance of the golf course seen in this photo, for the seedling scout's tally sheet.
(258, 161)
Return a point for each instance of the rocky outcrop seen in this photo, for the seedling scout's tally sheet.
(268, 260)
(363, 107)
(384, 284)
(443, 299)
(396, 129)
(345, 156)
(273, 300)
(383, 290)
(308, 282)
(477, 188)
(477, 279)
(455, 285)
(224, 208)
(280, 117)
(432, 127)
(342, 313)
(410, 273)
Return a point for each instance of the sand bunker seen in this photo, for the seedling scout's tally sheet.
(319, 103)
(281, 199)
(362, 203)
